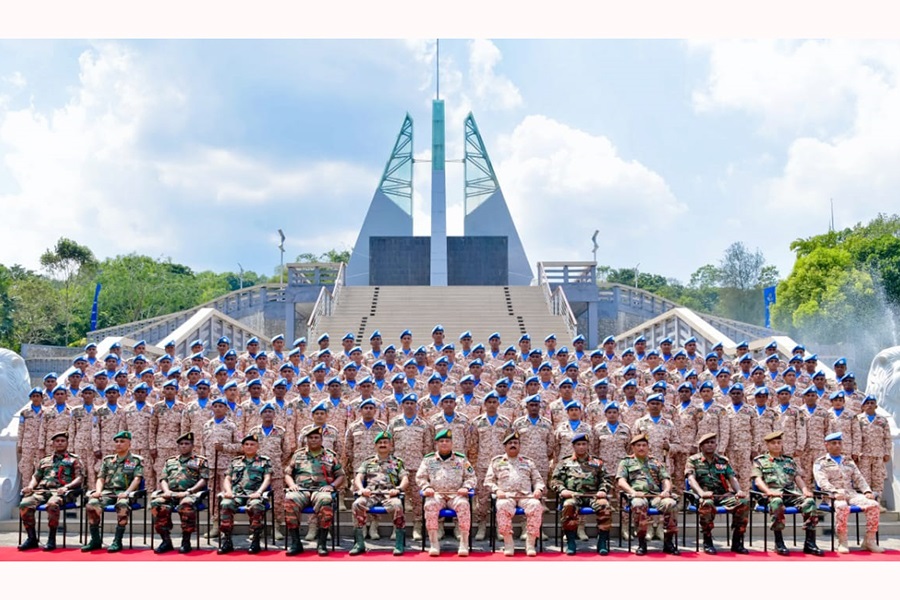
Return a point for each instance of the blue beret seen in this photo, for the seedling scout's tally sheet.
(596, 353)
(390, 348)
(653, 352)
(743, 344)
(490, 394)
(535, 352)
(712, 355)
(507, 364)
(477, 347)
(219, 400)
(736, 387)
(810, 390)
(870, 398)
(203, 382)
(610, 406)
(442, 360)
(836, 436)
(666, 340)
(91, 345)
(467, 378)
(322, 337)
(323, 405)
(524, 338)
(230, 353)
(532, 379)
(480, 363)
(437, 328)
(421, 350)
(36, 390)
(630, 382)
(410, 397)
(398, 377)
(772, 345)
(819, 373)
(659, 385)
(448, 396)
(171, 383)
(811, 358)
(229, 385)
(298, 341)
(840, 361)
(563, 350)
(355, 349)
(304, 379)
(350, 365)
(848, 377)
(573, 404)
(365, 379)
(552, 336)
(331, 380)
(799, 347)
(629, 369)
(367, 402)
(578, 338)
(579, 437)
(224, 340)
(323, 352)
(602, 381)
(609, 340)
(545, 365)
(566, 381)
(435, 377)
(784, 388)
(657, 369)
(192, 370)
(348, 336)
(628, 350)
(707, 385)
(409, 362)
(533, 398)
(320, 367)
(51, 375)
(836, 395)
(286, 366)
(757, 368)
(761, 391)
(276, 338)
(717, 345)
(255, 381)
(251, 368)
(62, 388)
(379, 363)
(656, 398)
(465, 334)
(138, 387)
(685, 386)
(140, 343)
(406, 332)
(690, 340)
(281, 381)
(640, 339)
(494, 335)
(261, 353)
(267, 406)
(680, 353)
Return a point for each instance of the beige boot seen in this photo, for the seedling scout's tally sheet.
(373, 531)
(279, 533)
(529, 546)
(871, 544)
(435, 548)
(582, 534)
(456, 532)
(394, 532)
(479, 537)
(312, 532)
(843, 547)
(509, 547)
(463, 545)
(213, 532)
(417, 530)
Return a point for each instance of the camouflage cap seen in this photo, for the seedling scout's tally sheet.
(775, 435)
(186, 437)
(703, 438)
(443, 434)
(122, 435)
(383, 435)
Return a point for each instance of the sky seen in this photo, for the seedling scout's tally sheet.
(200, 150)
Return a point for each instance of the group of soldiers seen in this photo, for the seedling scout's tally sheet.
(428, 427)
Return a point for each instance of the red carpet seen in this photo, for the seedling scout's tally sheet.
(75, 555)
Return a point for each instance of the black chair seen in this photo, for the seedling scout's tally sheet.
(760, 504)
(74, 499)
(691, 505)
(201, 505)
(137, 501)
(447, 513)
(493, 524)
(827, 505)
(625, 506)
(335, 522)
(557, 532)
(378, 509)
(242, 510)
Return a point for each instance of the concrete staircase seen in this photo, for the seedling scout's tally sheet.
(482, 310)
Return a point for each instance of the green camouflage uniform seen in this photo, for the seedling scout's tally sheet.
(582, 476)
(117, 474)
(52, 472)
(181, 473)
(246, 476)
(778, 473)
(647, 476)
(714, 477)
(380, 476)
(311, 472)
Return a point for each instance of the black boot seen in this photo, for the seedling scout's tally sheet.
(51, 540)
(708, 546)
(31, 542)
(603, 543)
(670, 544)
(116, 546)
(96, 541)
(254, 542)
(780, 548)
(642, 546)
(322, 541)
(185, 543)
(166, 544)
(225, 543)
(295, 546)
(359, 541)
(809, 546)
(570, 543)
(737, 543)
(400, 542)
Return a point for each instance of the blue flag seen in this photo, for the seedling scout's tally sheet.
(769, 297)
(94, 308)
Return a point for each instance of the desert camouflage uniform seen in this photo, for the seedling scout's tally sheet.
(765, 425)
(664, 438)
(28, 441)
(446, 476)
(844, 477)
(165, 428)
(742, 439)
(485, 441)
(630, 414)
(849, 426)
(517, 476)
(791, 422)
(536, 442)
(875, 443)
(53, 422)
(459, 427)
(561, 442)
(278, 447)
(224, 432)
(193, 418)
(816, 430)
(138, 423)
(81, 440)
(411, 443)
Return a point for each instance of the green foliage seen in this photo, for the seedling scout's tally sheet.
(333, 256)
(70, 262)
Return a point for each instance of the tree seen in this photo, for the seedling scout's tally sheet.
(67, 261)
(35, 310)
(743, 275)
(6, 307)
(333, 256)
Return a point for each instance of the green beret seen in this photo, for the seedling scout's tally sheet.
(125, 435)
(383, 435)
(250, 437)
(443, 433)
(187, 437)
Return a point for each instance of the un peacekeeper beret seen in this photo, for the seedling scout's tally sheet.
(322, 337)
(254, 381)
(379, 363)
(89, 388)
(62, 388)
(267, 406)
(502, 381)
(718, 345)
(434, 377)
(509, 363)
(690, 340)
(870, 398)
(514, 435)
(480, 363)
(772, 357)
(659, 385)
(573, 404)
(567, 381)
(602, 381)
(524, 338)
(383, 435)
(746, 358)
(799, 347)
(680, 353)
(164, 358)
(743, 344)
(409, 398)
(111, 356)
(739, 387)
(443, 433)
(494, 335)
(684, 386)
(351, 365)
(63, 434)
(775, 435)
(707, 385)
(563, 350)
(597, 352)
(286, 365)
(250, 437)
(656, 398)
(448, 347)
(442, 360)
(833, 437)
(367, 402)
(121, 372)
(509, 349)
(811, 358)
(477, 347)
(122, 435)
(653, 352)
(761, 391)
(757, 368)
(848, 377)
(51, 375)
(140, 343)
(784, 388)
(294, 352)
(229, 385)
(138, 387)
(841, 361)
(657, 369)
(219, 400)
(251, 368)
(420, 350)
(535, 352)
(630, 382)
(666, 340)
(323, 352)
(355, 349)
(533, 379)
(397, 377)
(437, 328)
(35, 391)
(577, 338)
(552, 336)
(320, 367)
(196, 343)
(76, 373)
(348, 336)
(490, 394)
(712, 355)
(703, 438)
(810, 390)
(772, 345)
(640, 437)
(837, 395)
(467, 378)
(366, 380)
(465, 334)
(186, 437)
(230, 354)
(819, 373)
(171, 383)
(723, 370)
(280, 382)
(332, 380)
(608, 340)
(323, 405)
(579, 437)
(628, 350)
(629, 369)
(224, 340)
(611, 406)
(448, 396)
(79, 359)
(304, 379)
(203, 382)
(533, 398)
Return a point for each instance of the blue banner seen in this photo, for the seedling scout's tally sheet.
(94, 308)
(769, 297)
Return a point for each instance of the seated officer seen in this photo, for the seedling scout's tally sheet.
(182, 479)
(248, 477)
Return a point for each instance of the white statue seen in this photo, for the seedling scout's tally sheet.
(884, 384)
(14, 387)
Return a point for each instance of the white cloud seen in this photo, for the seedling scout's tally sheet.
(562, 183)
(491, 90)
(16, 80)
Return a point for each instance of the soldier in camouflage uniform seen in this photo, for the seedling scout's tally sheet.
(275, 444)
(875, 445)
(196, 414)
(777, 477)
(535, 435)
(119, 476)
(136, 419)
(485, 441)
(789, 421)
(56, 419)
(843, 420)
(446, 478)
(580, 479)
(708, 473)
(516, 481)
(647, 483)
(165, 426)
(248, 477)
(742, 437)
(380, 479)
(413, 438)
(55, 477)
(313, 475)
(81, 433)
(181, 480)
(815, 419)
(28, 438)
(222, 440)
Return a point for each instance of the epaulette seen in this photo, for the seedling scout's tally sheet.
(787, 456)
(429, 454)
(73, 455)
(758, 457)
(460, 454)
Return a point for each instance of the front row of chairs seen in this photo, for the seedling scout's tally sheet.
(77, 500)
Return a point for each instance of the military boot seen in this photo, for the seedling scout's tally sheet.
(780, 548)
(96, 542)
(311, 532)
(31, 542)
(295, 546)
(843, 547)
(400, 541)
(509, 547)
(642, 546)
(737, 543)
(359, 541)
(185, 546)
(809, 545)
(166, 544)
(479, 536)
(322, 542)
(116, 545)
(373, 530)
(708, 546)
(51, 540)
(435, 538)
(570, 543)
(463, 544)
(670, 544)
(225, 544)
(603, 543)
(582, 534)
(417, 530)
(254, 542)
(871, 544)
(529, 545)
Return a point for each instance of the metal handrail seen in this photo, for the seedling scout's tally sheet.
(560, 305)
(322, 308)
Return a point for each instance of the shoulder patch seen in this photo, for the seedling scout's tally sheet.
(460, 454)
(429, 454)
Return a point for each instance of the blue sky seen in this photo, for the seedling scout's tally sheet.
(200, 150)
